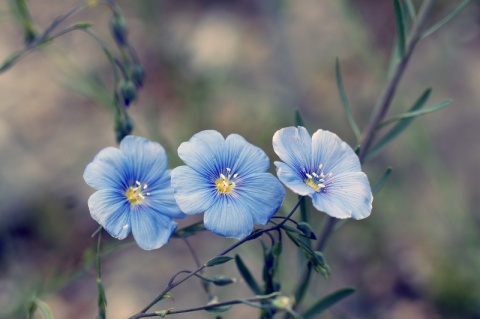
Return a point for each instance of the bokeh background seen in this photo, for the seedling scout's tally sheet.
(242, 66)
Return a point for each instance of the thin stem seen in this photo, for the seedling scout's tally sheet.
(172, 284)
(206, 307)
(384, 102)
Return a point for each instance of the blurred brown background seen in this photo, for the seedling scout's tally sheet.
(243, 66)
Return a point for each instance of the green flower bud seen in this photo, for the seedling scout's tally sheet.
(138, 75)
(128, 92)
(118, 28)
(123, 127)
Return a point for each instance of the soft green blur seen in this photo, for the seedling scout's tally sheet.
(242, 66)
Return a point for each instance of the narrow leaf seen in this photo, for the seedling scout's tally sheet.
(410, 9)
(379, 185)
(221, 280)
(218, 260)
(398, 128)
(343, 98)
(447, 19)
(399, 22)
(247, 275)
(327, 302)
(44, 309)
(437, 106)
(298, 118)
(214, 308)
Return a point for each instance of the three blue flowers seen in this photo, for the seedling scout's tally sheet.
(224, 178)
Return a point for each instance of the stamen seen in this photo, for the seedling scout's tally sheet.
(135, 195)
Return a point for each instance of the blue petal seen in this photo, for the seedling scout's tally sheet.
(336, 156)
(204, 152)
(161, 198)
(150, 229)
(347, 195)
(107, 170)
(292, 179)
(294, 147)
(111, 210)
(261, 194)
(193, 192)
(147, 159)
(244, 158)
(228, 218)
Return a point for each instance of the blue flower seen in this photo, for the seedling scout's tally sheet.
(324, 168)
(226, 179)
(133, 192)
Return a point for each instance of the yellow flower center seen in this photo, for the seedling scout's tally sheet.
(225, 183)
(136, 194)
(316, 180)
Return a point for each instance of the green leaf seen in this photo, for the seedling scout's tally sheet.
(327, 302)
(9, 61)
(221, 280)
(410, 8)
(218, 260)
(399, 22)
(398, 128)
(435, 107)
(214, 308)
(189, 230)
(447, 19)
(343, 98)
(44, 309)
(298, 118)
(379, 185)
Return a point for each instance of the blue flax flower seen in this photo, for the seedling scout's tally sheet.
(134, 192)
(226, 179)
(324, 168)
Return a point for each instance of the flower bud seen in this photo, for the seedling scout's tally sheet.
(123, 127)
(128, 92)
(118, 27)
(137, 75)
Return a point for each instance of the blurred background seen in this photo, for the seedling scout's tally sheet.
(242, 66)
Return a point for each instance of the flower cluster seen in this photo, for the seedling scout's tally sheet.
(224, 178)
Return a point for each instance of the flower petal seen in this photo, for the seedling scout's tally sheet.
(107, 170)
(336, 156)
(228, 218)
(244, 158)
(150, 229)
(111, 211)
(294, 147)
(292, 179)
(261, 194)
(161, 198)
(192, 191)
(147, 159)
(347, 195)
(203, 152)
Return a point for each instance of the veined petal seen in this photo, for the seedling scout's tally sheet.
(292, 179)
(347, 195)
(148, 159)
(261, 194)
(243, 157)
(336, 156)
(193, 193)
(229, 218)
(150, 229)
(107, 170)
(162, 200)
(111, 211)
(294, 147)
(204, 152)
